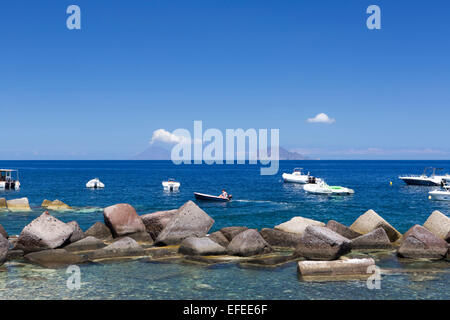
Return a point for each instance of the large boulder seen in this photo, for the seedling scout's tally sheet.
(248, 243)
(278, 238)
(3, 232)
(419, 242)
(99, 230)
(298, 225)
(56, 205)
(321, 243)
(88, 243)
(439, 225)
(349, 267)
(201, 247)
(4, 247)
(124, 247)
(219, 238)
(77, 233)
(54, 258)
(370, 221)
(21, 204)
(342, 230)
(231, 232)
(44, 232)
(155, 222)
(374, 240)
(3, 203)
(191, 221)
(122, 219)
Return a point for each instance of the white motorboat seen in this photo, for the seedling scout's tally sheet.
(434, 179)
(7, 181)
(95, 184)
(298, 177)
(171, 185)
(443, 194)
(321, 187)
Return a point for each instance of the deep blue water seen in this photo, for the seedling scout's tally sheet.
(259, 201)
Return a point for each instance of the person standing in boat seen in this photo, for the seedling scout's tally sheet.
(224, 194)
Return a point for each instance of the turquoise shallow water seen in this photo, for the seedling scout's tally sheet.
(260, 201)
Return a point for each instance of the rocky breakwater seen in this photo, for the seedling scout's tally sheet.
(330, 251)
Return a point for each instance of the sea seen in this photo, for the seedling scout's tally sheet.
(258, 202)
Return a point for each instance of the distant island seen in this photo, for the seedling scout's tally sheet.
(160, 153)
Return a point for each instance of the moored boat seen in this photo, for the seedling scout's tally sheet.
(321, 187)
(443, 194)
(433, 179)
(7, 181)
(208, 197)
(95, 184)
(297, 176)
(171, 185)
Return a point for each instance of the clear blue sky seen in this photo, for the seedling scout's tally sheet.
(137, 66)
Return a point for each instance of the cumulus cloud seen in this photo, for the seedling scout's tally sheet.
(165, 136)
(321, 118)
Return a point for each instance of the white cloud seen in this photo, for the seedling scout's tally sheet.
(321, 118)
(165, 136)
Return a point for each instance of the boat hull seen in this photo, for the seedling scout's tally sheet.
(208, 197)
(421, 182)
(13, 185)
(291, 178)
(440, 195)
(171, 186)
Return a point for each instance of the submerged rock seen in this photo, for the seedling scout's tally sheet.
(342, 230)
(44, 232)
(370, 221)
(201, 247)
(419, 242)
(349, 267)
(231, 232)
(21, 204)
(376, 239)
(3, 232)
(219, 238)
(88, 243)
(248, 243)
(54, 258)
(321, 243)
(191, 221)
(14, 255)
(2, 203)
(4, 247)
(122, 219)
(55, 205)
(155, 222)
(77, 234)
(278, 238)
(99, 230)
(439, 225)
(298, 225)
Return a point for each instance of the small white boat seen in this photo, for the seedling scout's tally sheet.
(443, 194)
(171, 185)
(321, 187)
(7, 181)
(434, 179)
(95, 184)
(298, 177)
